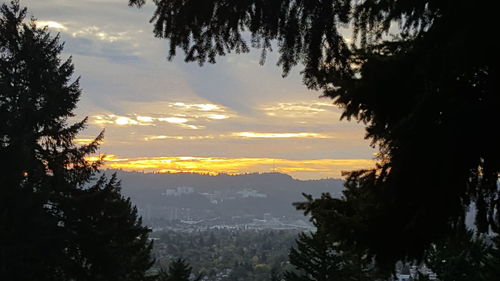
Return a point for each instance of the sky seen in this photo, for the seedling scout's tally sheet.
(235, 116)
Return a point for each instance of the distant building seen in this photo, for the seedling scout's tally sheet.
(267, 217)
(247, 192)
(180, 190)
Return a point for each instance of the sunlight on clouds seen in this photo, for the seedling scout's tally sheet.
(303, 169)
(85, 141)
(50, 24)
(145, 119)
(125, 121)
(242, 135)
(279, 135)
(112, 119)
(173, 120)
(200, 110)
(96, 32)
(218, 116)
(185, 115)
(298, 109)
(161, 137)
(198, 106)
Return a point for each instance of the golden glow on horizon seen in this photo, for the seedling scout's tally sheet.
(302, 169)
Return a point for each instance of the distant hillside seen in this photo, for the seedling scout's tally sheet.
(194, 196)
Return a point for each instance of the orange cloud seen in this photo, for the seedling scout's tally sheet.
(301, 169)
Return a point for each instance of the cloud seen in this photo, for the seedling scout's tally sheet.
(50, 24)
(302, 169)
(173, 120)
(111, 119)
(299, 109)
(197, 106)
(162, 137)
(218, 116)
(279, 135)
(99, 34)
(84, 141)
(185, 115)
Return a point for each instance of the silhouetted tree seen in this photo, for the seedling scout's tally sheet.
(56, 222)
(462, 256)
(275, 274)
(428, 95)
(314, 258)
(110, 242)
(319, 258)
(178, 270)
(492, 268)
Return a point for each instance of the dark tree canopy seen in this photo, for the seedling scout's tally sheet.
(463, 256)
(422, 76)
(178, 270)
(57, 222)
(317, 257)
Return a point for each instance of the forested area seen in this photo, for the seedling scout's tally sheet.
(228, 254)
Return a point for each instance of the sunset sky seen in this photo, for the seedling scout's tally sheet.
(235, 116)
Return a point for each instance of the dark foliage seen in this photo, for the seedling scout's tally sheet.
(56, 221)
(178, 270)
(319, 257)
(221, 254)
(492, 267)
(428, 96)
(461, 257)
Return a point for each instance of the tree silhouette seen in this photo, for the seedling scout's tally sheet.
(56, 221)
(178, 270)
(462, 256)
(317, 257)
(110, 242)
(314, 259)
(412, 72)
(492, 267)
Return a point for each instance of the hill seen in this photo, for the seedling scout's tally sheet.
(247, 199)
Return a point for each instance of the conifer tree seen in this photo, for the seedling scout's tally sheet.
(461, 257)
(319, 258)
(492, 267)
(178, 270)
(314, 259)
(56, 221)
